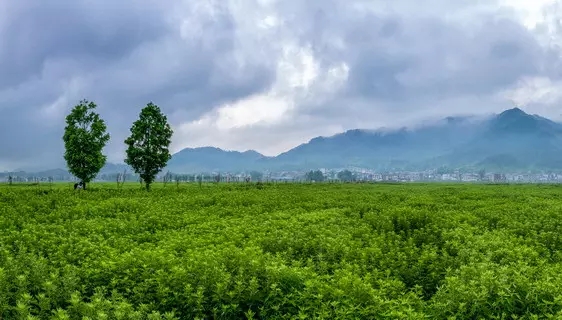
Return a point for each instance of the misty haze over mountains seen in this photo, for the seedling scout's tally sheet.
(510, 141)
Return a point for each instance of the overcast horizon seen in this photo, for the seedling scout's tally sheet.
(267, 75)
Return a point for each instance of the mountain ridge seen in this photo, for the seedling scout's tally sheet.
(513, 137)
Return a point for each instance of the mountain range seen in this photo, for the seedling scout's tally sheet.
(510, 141)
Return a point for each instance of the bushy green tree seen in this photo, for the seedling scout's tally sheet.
(346, 176)
(147, 151)
(316, 176)
(84, 138)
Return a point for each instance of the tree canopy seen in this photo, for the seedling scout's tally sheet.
(84, 138)
(147, 152)
(346, 176)
(316, 176)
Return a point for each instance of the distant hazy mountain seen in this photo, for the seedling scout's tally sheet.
(115, 168)
(511, 140)
(402, 148)
(109, 168)
(191, 160)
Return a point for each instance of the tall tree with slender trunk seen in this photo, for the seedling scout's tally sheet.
(148, 145)
(84, 138)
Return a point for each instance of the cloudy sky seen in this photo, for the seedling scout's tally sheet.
(267, 74)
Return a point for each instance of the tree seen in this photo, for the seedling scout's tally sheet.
(147, 151)
(346, 176)
(316, 176)
(84, 139)
(482, 174)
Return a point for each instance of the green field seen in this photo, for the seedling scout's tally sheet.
(285, 251)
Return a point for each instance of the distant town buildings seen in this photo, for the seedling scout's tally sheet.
(330, 175)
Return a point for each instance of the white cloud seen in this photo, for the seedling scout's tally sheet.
(300, 83)
(531, 11)
(260, 110)
(537, 94)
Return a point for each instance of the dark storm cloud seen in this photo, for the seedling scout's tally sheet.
(94, 32)
(393, 57)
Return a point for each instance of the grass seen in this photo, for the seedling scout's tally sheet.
(281, 251)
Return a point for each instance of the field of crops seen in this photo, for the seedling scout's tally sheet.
(286, 251)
